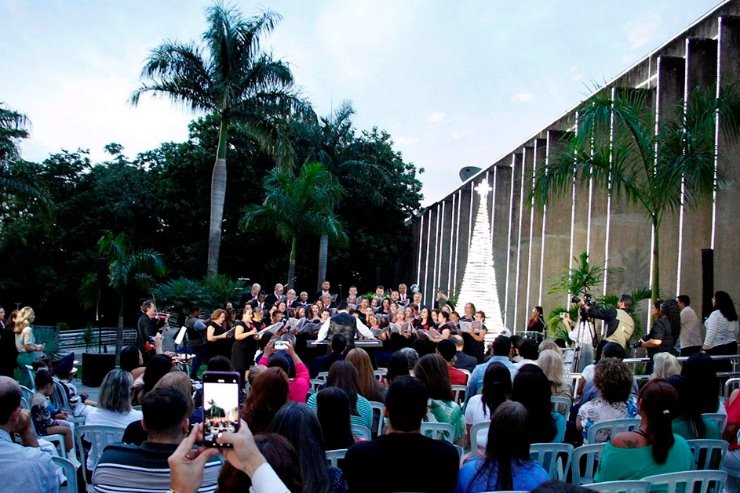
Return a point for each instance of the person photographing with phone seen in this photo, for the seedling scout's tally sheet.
(280, 353)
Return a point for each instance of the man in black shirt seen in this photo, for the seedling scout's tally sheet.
(405, 454)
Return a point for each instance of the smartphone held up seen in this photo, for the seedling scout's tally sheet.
(220, 406)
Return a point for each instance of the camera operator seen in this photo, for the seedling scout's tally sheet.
(619, 323)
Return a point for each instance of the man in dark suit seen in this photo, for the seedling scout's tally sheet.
(259, 303)
(325, 289)
(276, 296)
(404, 451)
(463, 361)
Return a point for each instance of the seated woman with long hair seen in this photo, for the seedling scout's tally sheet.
(506, 465)
(698, 394)
(370, 388)
(268, 394)
(333, 411)
(532, 389)
(652, 448)
(157, 367)
(299, 424)
(551, 363)
(343, 374)
(431, 369)
(496, 390)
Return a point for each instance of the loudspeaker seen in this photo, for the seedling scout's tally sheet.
(707, 281)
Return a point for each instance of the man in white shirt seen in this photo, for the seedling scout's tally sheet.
(25, 469)
(692, 330)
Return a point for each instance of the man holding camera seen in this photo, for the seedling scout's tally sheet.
(619, 323)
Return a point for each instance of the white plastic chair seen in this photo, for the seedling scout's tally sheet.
(323, 375)
(730, 385)
(69, 470)
(625, 486)
(380, 373)
(483, 425)
(439, 431)
(553, 457)
(605, 430)
(315, 385)
(362, 432)
(690, 481)
(380, 408)
(26, 396)
(576, 384)
(584, 463)
(719, 418)
(98, 436)
(334, 456)
(708, 454)
(58, 440)
(458, 393)
(561, 404)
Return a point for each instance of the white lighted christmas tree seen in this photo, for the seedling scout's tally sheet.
(479, 281)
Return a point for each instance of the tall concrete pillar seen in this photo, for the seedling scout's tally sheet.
(512, 262)
(670, 91)
(557, 229)
(445, 243)
(535, 230)
(464, 231)
(696, 226)
(502, 211)
(429, 220)
(522, 309)
(726, 225)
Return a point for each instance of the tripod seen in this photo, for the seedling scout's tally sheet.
(585, 326)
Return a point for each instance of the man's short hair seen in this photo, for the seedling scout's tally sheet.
(164, 409)
(627, 300)
(447, 349)
(457, 340)
(684, 298)
(342, 305)
(406, 402)
(529, 349)
(10, 398)
(339, 342)
(613, 350)
(501, 346)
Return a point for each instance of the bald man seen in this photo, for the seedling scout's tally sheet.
(26, 469)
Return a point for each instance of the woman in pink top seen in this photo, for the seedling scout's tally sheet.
(300, 381)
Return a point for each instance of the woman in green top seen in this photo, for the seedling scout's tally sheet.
(432, 370)
(652, 448)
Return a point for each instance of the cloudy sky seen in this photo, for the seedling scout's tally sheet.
(455, 83)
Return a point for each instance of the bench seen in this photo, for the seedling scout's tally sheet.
(74, 339)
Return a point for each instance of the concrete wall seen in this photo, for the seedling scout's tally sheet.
(533, 246)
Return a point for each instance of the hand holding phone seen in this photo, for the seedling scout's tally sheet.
(220, 406)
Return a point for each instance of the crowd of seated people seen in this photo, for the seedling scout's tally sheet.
(289, 422)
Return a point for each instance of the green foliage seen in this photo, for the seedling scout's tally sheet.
(221, 289)
(582, 278)
(181, 293)
(89, 336)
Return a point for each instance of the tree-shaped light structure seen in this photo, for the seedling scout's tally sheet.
(479, 281)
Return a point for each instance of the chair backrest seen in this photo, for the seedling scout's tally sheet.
(362, 432)
(58, 441)
(708, 454)
(576, 384)
(553, 457)
(26, 396)
(380, 373)
(483, 425)
(730, 385)
(323, 375)
(458, 393)
(626, 486)
(69, 470)
(689, 481)
(98, 436)
(315, 385)
(438, 431)
(561, 404)
(379, 411)
(719, 418)
(334, 456)
(584, 463)
(604, 430)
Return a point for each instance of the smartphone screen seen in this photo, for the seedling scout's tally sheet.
(220, 405)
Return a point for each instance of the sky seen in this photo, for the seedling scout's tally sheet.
(455, 83)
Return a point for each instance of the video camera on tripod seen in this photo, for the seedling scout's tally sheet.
(587, 299)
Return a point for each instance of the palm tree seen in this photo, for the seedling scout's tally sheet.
(330, 140)
(126, 267)
(640, 163)
(12, 128)
(296, 206)
(230, 76)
